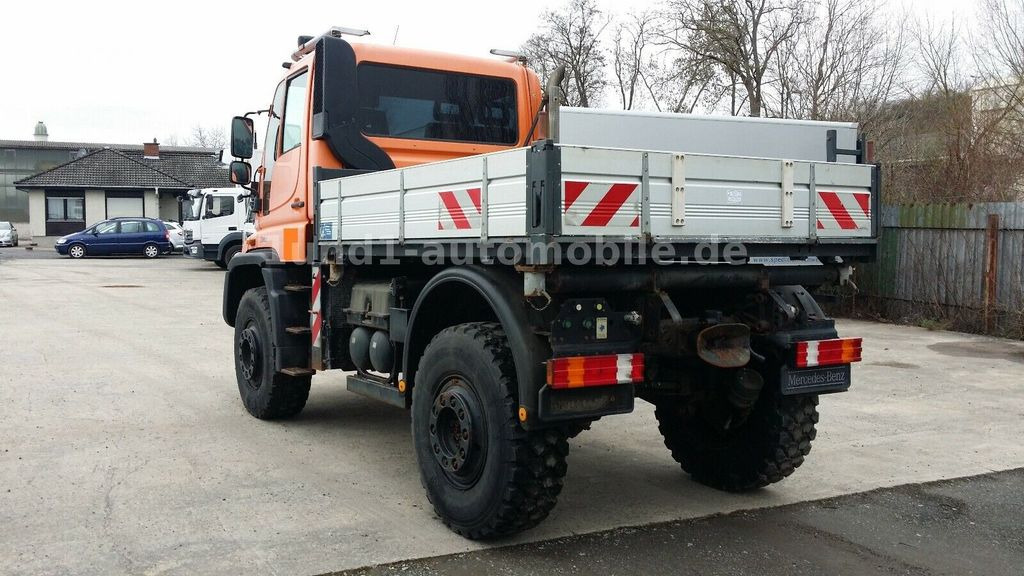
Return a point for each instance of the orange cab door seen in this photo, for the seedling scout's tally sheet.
(288, 169)
(283, 222)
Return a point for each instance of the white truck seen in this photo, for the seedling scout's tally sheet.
(510, 271)
(216, 222)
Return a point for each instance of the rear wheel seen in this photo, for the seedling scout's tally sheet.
(151, 251)
(483, 473)
(266, 394)
(766, 448)
(76, 251)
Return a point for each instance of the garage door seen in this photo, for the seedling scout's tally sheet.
(124, 207)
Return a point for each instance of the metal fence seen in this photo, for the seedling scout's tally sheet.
(961, 264)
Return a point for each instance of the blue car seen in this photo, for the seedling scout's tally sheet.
(145, 236)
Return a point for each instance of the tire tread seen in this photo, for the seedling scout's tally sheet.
(784, 427)
(539, 456)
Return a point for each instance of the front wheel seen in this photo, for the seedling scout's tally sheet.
(230, 253)
(266, 394)
(766, 448)
(76, 251)
(485, 475)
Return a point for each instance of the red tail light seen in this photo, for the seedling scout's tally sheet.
(605, 370)
(827, 352)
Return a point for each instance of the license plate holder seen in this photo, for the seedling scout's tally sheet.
(821, 380)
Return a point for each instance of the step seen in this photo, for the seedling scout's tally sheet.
(377, 391)
(298, 371)
(297, 330)
(296, 288)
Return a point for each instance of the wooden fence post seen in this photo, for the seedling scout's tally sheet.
(991, 269)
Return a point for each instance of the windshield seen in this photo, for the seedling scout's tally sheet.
(194, 209)
(5, 225)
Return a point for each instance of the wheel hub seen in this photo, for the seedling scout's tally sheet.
(249, 354)
(457, 434)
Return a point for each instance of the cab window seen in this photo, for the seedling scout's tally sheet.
(434, 105)
(294, 113)
(217, 206)
(273, 127)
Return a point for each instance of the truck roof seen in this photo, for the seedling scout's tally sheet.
(430, 59)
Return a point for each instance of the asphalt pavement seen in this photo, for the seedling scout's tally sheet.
(968, 526)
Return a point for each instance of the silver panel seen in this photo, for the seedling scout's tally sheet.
(691, 133)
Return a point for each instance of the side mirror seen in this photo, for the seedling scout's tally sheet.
(242, 137)
(241, 173)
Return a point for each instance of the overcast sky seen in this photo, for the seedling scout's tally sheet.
(130, 72)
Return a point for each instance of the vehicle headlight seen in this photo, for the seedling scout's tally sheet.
(62, 241)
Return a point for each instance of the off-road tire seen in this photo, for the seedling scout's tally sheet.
(266, 394)
(521, 476)
(766, 448)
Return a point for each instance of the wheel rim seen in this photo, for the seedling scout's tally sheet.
(77, 251)
(249, 355)
(458, 431)
(151, 251)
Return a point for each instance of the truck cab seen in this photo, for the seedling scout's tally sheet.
(345, 108)
(215, 224)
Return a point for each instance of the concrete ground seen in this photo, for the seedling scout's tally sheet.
(124, 447)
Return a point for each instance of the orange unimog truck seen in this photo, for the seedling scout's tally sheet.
(512, 270)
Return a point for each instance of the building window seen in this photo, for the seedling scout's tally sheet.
(65, 209)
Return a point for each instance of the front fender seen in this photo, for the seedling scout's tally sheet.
(226, 241)
(245, 271)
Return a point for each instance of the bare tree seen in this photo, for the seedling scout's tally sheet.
(631, 56)
(571, 36)
(677, 81)
(1002, 27)
(1000, 62)
(959, 141)
(207, 137)
(743, 37)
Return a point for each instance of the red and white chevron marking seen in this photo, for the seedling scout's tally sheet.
(458, 209)
(315, 318)
(601, 204)
(846, 211)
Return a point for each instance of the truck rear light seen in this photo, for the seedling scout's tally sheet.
(605, 370)
(827, 352)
